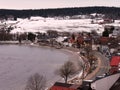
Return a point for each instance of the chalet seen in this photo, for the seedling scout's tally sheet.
(115, 63)
(62, 86)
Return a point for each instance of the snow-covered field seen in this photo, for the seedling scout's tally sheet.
(39, 24)
(17, 63)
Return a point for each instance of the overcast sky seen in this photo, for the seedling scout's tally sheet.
(38, 4)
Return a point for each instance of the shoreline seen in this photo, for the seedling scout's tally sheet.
(65, 50)
(71, 52)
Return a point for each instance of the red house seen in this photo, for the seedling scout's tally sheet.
(62, 86)
(104, 40)
(114, 63)
(80, 40)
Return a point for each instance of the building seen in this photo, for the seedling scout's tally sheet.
(104, 40)
(116, 32)
(10, 17)
(62, 86)
(115, 63)
(105, 82)
(116, 85)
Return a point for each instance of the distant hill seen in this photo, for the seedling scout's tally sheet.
(110, 12)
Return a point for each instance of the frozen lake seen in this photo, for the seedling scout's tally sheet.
(17, 63)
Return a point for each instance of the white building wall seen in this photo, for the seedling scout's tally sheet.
(105, 83)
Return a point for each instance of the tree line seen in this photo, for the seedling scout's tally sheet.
(111, 12)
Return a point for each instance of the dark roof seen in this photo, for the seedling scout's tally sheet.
(62, 84)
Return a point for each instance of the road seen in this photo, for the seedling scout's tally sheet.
(105, 64)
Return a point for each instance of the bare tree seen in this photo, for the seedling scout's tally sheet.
(92, 59)
(83, 66)
(67, 70)
(36, 82)
(88, 49)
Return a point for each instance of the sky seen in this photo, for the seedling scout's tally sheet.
(42, 4)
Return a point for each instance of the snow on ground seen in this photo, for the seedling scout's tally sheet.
(114, 24)
(40, 24)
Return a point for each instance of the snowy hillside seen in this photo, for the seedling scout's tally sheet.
(40, 24)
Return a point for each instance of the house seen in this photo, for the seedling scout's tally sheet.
(105, 82)
(108, 20)
(105, 21)
(116, 85)
(109, 28)
(2, 19)
(62, 86)
(115, 63)
(80, 39)
(104, 40)
(116, 32)
(10, 17)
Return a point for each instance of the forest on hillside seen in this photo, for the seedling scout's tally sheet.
(110, 12)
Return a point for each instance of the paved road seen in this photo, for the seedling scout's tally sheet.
(104, 68)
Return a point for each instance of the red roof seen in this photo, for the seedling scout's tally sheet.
(71, 40)
(115, 61)
(80, 40)
(62, 86)
(104, 40)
